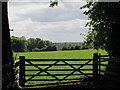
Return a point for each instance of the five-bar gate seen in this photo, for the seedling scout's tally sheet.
(57, 70)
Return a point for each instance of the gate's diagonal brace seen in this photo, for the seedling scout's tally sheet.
(41, 70)
(74, 69)
(50, 66)
(85, 64)
(68, 65)
(35, 66)
(45, 70)
(83, 73)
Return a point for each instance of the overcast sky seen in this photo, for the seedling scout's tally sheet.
(63, 23)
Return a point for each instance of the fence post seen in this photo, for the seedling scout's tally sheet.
(95, 67)
(99, 64)
(22, 71)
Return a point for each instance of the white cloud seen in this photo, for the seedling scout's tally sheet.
(72, 1)
(54, 31)
(43, 13)
(63, 23)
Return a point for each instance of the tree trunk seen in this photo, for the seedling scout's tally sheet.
(7, 61)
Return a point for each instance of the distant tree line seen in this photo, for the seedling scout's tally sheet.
(20, 44)
(82, 46)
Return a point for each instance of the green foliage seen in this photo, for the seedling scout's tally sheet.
(65, 47)
(35, 43)
(14, 55)
(18, 44)
(104, 26)
(77, 46)
(17, 38)
(31, 45)
(53, 3)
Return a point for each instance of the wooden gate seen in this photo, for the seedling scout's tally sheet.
(56, 70)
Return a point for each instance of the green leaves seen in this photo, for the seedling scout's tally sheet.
(104, 23)
(87, 5)
(53, 3)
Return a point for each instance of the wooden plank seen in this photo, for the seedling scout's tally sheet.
(57, 59)
(104, 55)
(105, 60)
(103, 64)
(57, 74)
(22, 71)
(95, 66)
(56, 64)
(53, 79)
(99, 61)
(62, 70)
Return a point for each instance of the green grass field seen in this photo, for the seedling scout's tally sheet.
(73, 54)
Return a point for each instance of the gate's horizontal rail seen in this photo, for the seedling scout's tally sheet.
(52, 79)
(61, 70)
(58, 59)
(58, 74)
(103, 55)
(56, 64)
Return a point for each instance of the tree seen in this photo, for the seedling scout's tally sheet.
(65, 47)
(18, 44)
(54, 48)
(70, 47)
(53, 3)
(84, 46)
(36, 44)
(39, 43)
(77, 47)
(31, 44)
(104, 26)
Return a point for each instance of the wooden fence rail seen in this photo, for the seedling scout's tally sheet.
(103, 63)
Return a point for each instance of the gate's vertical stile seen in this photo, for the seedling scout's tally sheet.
(22, 71)
(99, 64)
(95, 66)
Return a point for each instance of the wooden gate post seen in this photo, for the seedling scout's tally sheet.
(22, 71)
(95, 67)
(99, 64)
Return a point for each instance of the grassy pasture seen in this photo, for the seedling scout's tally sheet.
(72, 54)
(78, 54)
